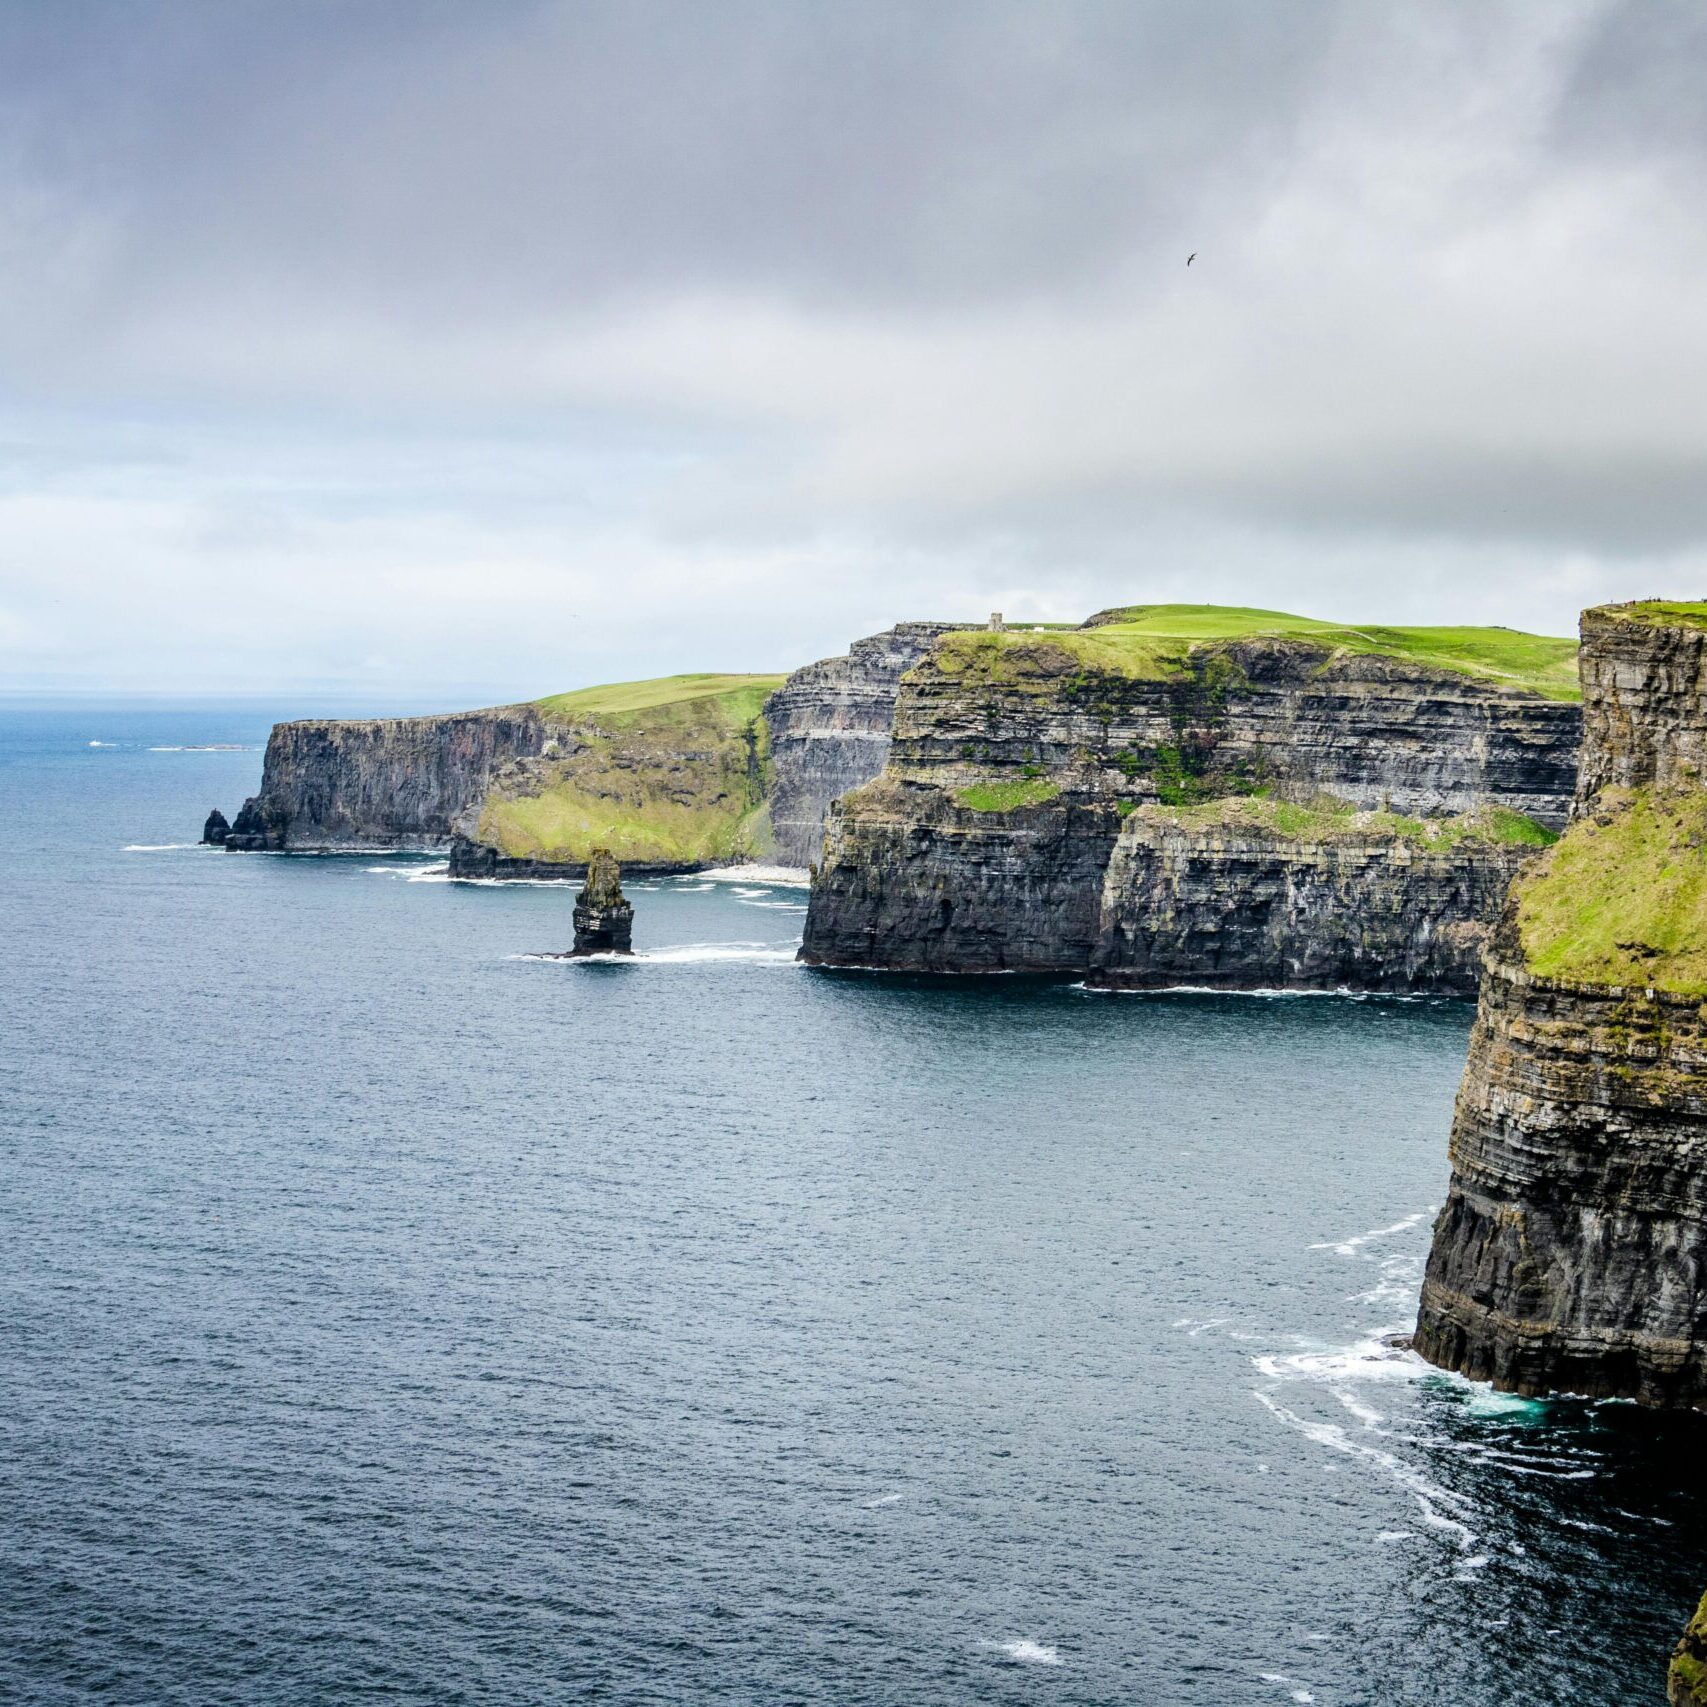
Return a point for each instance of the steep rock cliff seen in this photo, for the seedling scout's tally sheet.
(1258, 894)
(1571, 1254)
(379, 782)
(1015, 756)
(829, 731)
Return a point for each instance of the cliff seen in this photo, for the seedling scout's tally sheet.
(1571, 1254)
(524, 790)
(1686, 1679)
(1017, 756)
(829, 731)
(1259, 894)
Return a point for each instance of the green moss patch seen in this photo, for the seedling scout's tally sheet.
(1154, 643)
(1622, 899)
(1007, 796)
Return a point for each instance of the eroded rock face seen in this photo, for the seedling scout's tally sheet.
(379, 782)
(913, 881)
(829, 731)
(1245, 906)
(1644, 702)
(215, 830)
(1571, 1254)
(1288, 713)
(604, 919)
(915, 876)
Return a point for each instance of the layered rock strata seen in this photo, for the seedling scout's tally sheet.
(1244, 895)
(829, 731)
(987, 843)
(328, 785)
(1571, 1254)
(604, 918)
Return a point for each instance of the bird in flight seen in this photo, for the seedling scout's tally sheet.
(1191, 257)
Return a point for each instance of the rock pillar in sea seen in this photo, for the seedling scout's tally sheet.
(1571, 1254)
(215, 830)
(604, 921)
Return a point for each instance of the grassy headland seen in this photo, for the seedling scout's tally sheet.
(663, 771)
(1153, 642)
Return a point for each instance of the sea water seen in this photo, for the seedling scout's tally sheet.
(389, 1312)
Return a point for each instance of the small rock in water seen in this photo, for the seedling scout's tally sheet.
(604, 921)
(215, 830)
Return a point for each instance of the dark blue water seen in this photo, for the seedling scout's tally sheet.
(385, 1315)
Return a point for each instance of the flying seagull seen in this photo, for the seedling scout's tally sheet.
(1191, 257)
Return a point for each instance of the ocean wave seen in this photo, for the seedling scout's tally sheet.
(1350, 1247)
(167, 847)
(777, 876)
(1025, 1652)
(685, 954)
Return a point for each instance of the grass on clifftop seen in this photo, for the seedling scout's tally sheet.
(665, 771)
(1150, 642)
(1662, 613)
(617, 698)
(1331, 820)
(1625, 901)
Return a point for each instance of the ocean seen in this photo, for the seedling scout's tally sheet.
(389, 1314)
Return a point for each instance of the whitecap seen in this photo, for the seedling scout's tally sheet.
(1350, 1247)
(796, 877)
(883, 1500)
(1030, 1653)
(164, 847)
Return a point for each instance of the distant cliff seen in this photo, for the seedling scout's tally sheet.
(829, 731)
(1571, 1254)
(989, 843)
(379, 782)
(525, 790)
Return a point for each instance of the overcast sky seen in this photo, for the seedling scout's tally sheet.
(492, 348)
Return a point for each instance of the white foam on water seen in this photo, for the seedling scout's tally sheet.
(1350, 1247)
(1388, 1536)
(749, 893)
(693, 952)
(1284, 1682)
(795, 877)
(1428, 1494)
(1370, 1359)
(103, 743)
(883, 1500)
(683, 887)
(1029, 1653)
(1365, 1414)
(166, 847)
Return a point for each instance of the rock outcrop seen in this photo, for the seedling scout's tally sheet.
(604, 919)
(829, 731)
(988, 842)
(215, 830)
(1571, 1254)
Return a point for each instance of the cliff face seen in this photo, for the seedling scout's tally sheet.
(829, 731)
(987, 845)
(914, 880)
(1644, 675)
(380, 782)
(1247, 895)
(1571, 1254)
(1295, 714)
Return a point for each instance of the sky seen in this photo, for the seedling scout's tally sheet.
(486, 350)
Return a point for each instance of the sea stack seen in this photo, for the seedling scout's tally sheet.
(215, 830)
(604, 921)
(1571, 1255)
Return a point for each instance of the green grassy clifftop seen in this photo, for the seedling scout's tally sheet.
(1154, 643)
(668, 771)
